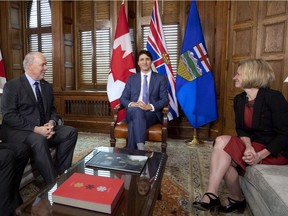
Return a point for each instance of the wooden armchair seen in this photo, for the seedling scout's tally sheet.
(156, 133)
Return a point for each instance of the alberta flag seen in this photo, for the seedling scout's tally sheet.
(122, 62)
(2, 74)
(156, 45)
(195, 88)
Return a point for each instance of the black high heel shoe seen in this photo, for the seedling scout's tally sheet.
(234, 206)
(213, 205)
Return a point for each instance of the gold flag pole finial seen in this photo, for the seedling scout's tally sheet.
(195, 140)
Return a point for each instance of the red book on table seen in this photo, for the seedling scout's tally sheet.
(91, 192)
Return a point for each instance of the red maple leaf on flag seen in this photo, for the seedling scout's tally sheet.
(122, 62)
(126, 65)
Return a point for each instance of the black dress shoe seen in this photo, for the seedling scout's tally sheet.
(213, 205)
(234, 206)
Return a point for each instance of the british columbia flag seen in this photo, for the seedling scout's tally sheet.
(156, 45)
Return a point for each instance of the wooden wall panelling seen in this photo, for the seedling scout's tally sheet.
(273, 39)
(257, 30)
(68, 28)
(220, 63)
(12, 43)
(63, 55)
(16, 38)
(241, 45)
(58, 46)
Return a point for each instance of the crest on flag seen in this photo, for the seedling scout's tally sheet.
(188, 68)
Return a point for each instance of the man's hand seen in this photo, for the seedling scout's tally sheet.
(45, 130)
(141, 105)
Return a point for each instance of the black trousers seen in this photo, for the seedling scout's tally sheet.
(13, 159)
(64, 140)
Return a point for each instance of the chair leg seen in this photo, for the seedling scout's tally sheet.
(126, 146)
(159, 197)
(112, 142)
(164, 147)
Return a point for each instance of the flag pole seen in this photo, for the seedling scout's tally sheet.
(195, 140)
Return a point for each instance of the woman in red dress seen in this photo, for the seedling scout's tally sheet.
(261, 117)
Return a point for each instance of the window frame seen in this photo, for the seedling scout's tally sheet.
(40, 31)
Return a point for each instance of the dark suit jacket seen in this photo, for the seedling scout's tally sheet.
(269, 121)
(19, 108)
(158, 95)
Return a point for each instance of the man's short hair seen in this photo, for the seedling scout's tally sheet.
(146, 52)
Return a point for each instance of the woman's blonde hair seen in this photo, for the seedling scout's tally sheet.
(256, 73)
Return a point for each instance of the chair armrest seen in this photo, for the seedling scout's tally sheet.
(164, 126)
(116, 109)
(165, 115)
(60, 120)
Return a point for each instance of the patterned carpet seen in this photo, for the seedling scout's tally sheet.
(175, 184)
(185, 178)
(199, 164)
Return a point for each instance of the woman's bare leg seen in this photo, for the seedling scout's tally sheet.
(231, 179)
(219, 165)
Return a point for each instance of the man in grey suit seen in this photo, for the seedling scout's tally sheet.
(29, 117)
(144, 96)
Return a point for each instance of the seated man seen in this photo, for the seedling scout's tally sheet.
(29, 117)
(13, 159)
(144, 96)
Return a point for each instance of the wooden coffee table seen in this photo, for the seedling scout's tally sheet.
(133, 202)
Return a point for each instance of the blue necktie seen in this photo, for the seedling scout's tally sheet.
(40, 104)
(145, 96)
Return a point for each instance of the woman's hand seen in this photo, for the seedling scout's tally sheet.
(257, 158)
(252, 159)
(249, 155)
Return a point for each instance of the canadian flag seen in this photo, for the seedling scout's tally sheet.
(122, 62)
(2, 74)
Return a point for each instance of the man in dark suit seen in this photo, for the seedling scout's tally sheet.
(29, 117)
(13, 159)
(144, 96)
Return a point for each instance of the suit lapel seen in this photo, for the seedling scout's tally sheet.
(137, 85)
(153, 80)
(27, 87)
